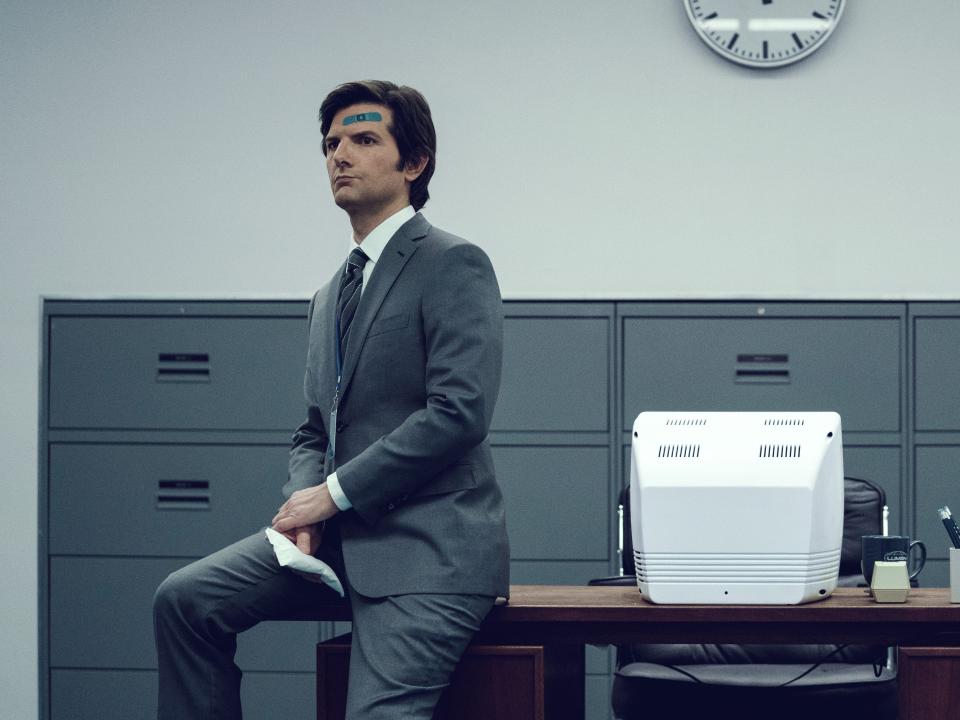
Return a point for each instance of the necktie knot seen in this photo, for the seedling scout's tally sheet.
(356, 260)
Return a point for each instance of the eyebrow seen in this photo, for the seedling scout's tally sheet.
(353, 133)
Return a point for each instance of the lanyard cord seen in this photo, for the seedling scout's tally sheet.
(332, 428)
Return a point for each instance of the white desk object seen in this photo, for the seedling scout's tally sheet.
(737, 507)
(955, 575)
(891, 581)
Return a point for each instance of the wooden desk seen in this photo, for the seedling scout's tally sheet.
(539, 613)
(927, 629)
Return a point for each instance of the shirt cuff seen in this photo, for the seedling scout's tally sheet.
(336, 492)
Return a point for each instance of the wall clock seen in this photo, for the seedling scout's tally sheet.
(764, 33)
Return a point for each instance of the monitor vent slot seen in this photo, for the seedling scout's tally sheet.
(686, 421)
(679, 451)
(779, 451)
(781, 422)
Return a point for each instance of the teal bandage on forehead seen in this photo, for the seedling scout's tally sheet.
(362, 117)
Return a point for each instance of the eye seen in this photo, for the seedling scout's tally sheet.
(330, 145)
(367, 140)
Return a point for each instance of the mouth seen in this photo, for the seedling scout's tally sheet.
(343, 180)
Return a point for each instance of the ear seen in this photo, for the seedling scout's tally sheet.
(413, 168)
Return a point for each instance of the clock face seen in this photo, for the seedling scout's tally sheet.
(764, 33)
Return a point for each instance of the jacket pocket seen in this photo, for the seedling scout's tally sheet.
(458, 477)
(392, 322)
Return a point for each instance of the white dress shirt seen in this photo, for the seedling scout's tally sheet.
(372, 246)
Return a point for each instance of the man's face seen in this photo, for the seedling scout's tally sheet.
(362, 159)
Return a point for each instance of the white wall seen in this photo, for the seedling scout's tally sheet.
(592, 148)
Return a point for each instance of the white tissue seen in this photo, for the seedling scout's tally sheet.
(307, 566)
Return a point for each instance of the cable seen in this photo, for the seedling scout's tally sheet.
(877, 668)
(813, 667)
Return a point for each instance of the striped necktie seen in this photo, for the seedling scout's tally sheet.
(349, 295)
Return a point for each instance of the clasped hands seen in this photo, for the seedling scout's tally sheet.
(299, 516)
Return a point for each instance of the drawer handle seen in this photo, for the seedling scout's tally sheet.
(763, 358)
(763, 374)
(183, 367)
(183, 495)
(772, 368)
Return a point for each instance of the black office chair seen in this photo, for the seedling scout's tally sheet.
(754, 682)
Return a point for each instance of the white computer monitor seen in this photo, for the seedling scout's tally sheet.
(736, 507)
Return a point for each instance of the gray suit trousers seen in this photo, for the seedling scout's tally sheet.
(404, 649)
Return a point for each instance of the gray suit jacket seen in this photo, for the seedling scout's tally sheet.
(420, 380)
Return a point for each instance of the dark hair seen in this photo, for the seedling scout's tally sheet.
(411, 128)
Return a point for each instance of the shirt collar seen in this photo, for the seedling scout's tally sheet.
(374, 243)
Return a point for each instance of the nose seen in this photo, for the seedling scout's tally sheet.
(340, 156)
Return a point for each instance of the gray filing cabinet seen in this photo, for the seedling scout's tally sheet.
(846, 357)
(166, 427)
(552, 437)
(935, 405)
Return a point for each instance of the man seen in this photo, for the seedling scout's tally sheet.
(391, 478)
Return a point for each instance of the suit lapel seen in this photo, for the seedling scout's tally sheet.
(396, 254)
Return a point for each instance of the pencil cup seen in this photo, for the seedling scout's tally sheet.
(954, 575)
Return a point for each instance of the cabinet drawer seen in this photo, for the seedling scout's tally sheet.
(103, 695)
(555, 375)
(166, 500)
(556, 500)
(132, 695)
(177, 373)
(268, 696)
(881, 465)
(557, 572)
(851, 366)
(101, 616)
(937, 369)
(101, 611)
(936, 471)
